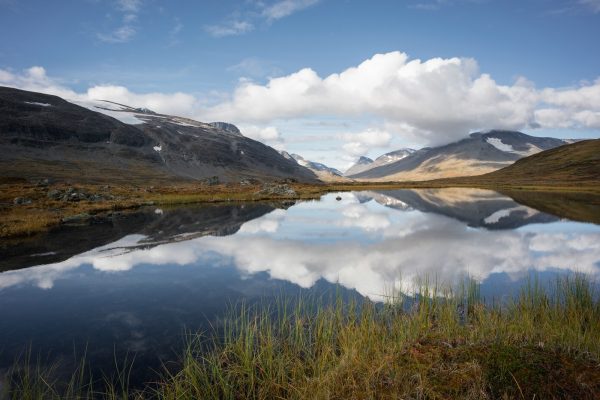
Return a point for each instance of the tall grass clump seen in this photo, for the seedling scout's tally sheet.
(439, 343)
(545, 343)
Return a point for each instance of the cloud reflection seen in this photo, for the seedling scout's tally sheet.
(364, 246)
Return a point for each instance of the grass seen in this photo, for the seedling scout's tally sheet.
(438, 344)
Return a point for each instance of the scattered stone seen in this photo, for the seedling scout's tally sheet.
(43, 182)
(72, 195)
(75, 196)
(275, 189)
(96, 197)
(54, 194)
(20, 201)
(249, 181)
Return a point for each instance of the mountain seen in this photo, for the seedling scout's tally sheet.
(322, 171)
(361, 165)
(44, 136)
(574, 163)
(477, 154)
(364, 164)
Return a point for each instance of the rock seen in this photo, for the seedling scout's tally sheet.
(43, 182)
(227, 127)
(54, 194)
(213, 180)
(338, 198)
(96, 197)
(249, 181)
(75, 196)
(21, 201)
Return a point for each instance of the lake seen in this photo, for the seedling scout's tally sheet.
(134, 284)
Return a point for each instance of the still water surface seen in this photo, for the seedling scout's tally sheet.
(136, 284)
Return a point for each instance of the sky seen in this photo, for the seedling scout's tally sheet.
(331, 80)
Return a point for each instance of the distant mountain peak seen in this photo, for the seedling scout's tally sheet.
(322, 171)
(364, 163)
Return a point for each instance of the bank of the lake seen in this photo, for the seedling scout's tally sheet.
(28, 208)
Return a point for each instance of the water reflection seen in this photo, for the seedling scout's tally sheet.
(367, 241)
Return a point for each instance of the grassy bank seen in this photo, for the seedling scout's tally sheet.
(40, 212)
(443, 345)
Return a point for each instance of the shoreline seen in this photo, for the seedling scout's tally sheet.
(27, 209)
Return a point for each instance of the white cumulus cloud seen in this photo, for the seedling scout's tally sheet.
(436, 100)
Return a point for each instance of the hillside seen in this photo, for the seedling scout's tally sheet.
(43, 136)
(572, 163)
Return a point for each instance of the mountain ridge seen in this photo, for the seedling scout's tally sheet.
(67, 140)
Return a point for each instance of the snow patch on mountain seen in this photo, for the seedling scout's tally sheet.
(497, 143)
(35, 103)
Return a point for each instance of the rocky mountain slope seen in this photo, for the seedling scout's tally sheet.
(477, 154)
(45, 136)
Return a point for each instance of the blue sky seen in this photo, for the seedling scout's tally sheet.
(538, 59)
